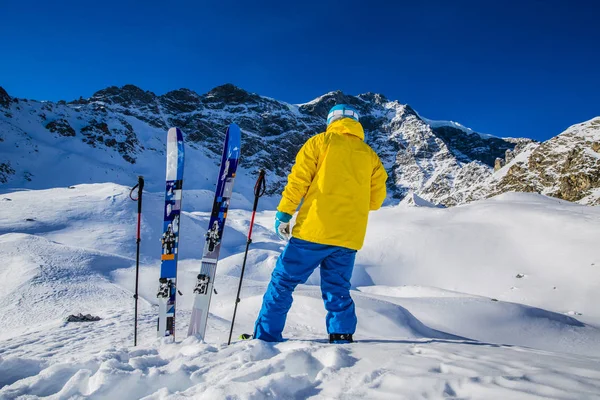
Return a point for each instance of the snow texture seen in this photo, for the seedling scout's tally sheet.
(494, 299)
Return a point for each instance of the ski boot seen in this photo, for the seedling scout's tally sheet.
(340, 338)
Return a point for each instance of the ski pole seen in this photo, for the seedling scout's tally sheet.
(259, 190)
(140, 188)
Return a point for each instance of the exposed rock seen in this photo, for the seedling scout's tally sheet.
(181, 101)
(80, 101)
(508, 157)
(4, 98)
(123, 138)
(320, 107)
(61, 126)
(82, 318)
(229, 94)
(5, 172)
(126, 96)
(566, 166)
(469, 147)
(499, 163)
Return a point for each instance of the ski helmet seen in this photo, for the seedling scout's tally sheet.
(342, 111)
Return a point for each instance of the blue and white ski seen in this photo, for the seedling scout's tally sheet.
(167, 290)
(205, 280)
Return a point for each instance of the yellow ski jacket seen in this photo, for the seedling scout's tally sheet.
(339, 179)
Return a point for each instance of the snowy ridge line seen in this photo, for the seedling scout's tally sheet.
(117, 134)
(456, 125)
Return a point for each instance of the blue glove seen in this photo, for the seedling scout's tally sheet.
(282, 225)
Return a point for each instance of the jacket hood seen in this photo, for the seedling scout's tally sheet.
(347, 126)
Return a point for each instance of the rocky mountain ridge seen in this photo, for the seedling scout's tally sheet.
(122, 130)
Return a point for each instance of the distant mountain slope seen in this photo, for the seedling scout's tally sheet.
(119, 133)
(566, 166)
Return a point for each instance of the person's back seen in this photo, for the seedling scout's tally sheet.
(338, 179)
(338, 167)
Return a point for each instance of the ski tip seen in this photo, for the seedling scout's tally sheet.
(176, 134)
(233, 141)
(234, 132)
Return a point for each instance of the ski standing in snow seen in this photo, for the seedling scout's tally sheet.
(336, 180)
(167, 288)
(212, 247)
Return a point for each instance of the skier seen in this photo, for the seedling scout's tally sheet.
(336, 180)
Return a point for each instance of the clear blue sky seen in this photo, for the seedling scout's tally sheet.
(510, 68)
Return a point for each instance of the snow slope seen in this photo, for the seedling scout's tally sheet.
(441, 310)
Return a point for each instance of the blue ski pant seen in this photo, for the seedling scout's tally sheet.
(294, 266)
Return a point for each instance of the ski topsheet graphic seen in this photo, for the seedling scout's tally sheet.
(167, 290)
(205, 279)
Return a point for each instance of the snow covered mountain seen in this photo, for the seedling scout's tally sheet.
(119, 133)
(566, 166)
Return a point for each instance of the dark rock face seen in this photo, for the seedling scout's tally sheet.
(123, 138)
(82, 318)
(4, 98)
(5, 172)
(321, 107)
(127, 96)
(468, 147)
(130, 100)
(181, 101)
(565, 167)
(61, 126)
(229, 95)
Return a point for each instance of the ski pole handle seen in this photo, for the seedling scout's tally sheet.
(140, 186)
(260, 186)
(259, 190)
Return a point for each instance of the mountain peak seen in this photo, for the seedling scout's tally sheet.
(182, 93)
(181, 100)
(230, 94)
(376, 98)
(126, 95)
(589, 130)
(321, 105)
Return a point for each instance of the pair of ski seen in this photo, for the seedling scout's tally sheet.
(167, 292)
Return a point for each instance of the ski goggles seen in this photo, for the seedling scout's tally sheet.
(339, 114)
